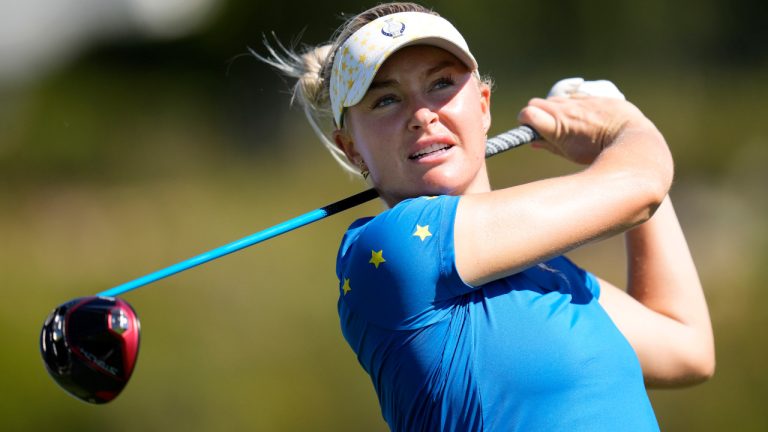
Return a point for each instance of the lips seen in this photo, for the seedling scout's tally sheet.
(430, 150)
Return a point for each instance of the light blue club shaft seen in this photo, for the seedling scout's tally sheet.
(510, 139)
(274, 231)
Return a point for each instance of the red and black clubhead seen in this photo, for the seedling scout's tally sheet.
(90, 345)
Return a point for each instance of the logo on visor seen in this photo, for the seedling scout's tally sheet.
(393, 29)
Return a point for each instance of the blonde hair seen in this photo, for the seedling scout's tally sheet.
(311, 68)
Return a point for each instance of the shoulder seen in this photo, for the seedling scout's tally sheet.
(414, 226)
(426, 208)
(421, 217)
(394, 266)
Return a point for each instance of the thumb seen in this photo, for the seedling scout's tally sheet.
(541, 121)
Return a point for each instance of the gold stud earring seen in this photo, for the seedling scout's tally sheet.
(363, 169)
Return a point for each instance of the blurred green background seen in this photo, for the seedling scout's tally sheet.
(135, 134)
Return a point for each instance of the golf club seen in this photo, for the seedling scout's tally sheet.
(505, 141)
(90, 345)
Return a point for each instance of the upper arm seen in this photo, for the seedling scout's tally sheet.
(670, 352)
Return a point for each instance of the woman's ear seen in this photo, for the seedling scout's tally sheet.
(345, 143)
(485, 106)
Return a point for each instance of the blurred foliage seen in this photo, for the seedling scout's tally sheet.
(142, 153)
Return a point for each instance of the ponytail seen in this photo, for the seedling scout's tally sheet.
(310, 90)
(311, 68)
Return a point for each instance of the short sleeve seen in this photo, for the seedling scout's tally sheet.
(561, 274)
(398, 269)
(579, 276)
(592, 284)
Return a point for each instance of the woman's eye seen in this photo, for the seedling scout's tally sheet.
(384, 101)
(442, 83)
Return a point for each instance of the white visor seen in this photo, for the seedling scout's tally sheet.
(359, 58)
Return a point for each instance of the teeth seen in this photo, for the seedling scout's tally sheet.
(431, 149)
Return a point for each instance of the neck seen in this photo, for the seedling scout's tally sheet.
(479, 184)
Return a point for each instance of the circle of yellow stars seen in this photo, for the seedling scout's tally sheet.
(377, 257)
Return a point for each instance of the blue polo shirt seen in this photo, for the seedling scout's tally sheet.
(532, 352)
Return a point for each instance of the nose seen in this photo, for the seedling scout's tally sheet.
(422, 118)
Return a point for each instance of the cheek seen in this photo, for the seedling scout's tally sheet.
(466, 109)
(467, 121)
(370, 142)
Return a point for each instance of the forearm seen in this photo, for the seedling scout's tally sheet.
(663, 278)
(662, 275)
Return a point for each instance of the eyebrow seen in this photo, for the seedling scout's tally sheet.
(391, 82)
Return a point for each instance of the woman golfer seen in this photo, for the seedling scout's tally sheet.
(457, 300)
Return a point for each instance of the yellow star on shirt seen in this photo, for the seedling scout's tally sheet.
(346, 286)
(422, 232)
(377, 258)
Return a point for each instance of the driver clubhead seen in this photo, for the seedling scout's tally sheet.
(90, 345)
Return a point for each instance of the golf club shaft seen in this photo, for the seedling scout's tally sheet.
(500, 143)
